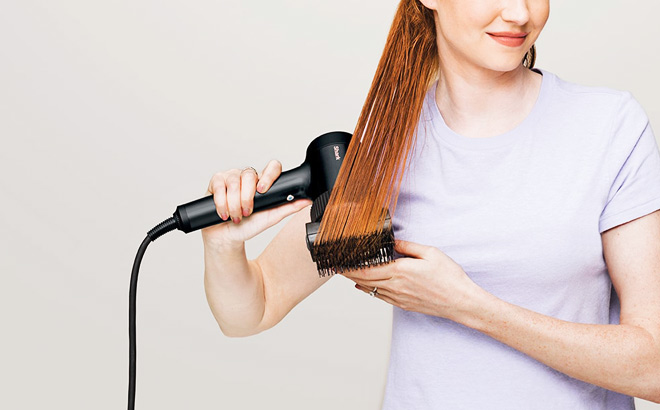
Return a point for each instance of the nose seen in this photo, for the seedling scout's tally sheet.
(515, 11)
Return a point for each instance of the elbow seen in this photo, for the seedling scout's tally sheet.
(654, 381)
(651, 388)
(235, 331)
(645, 371)
(239, 334)
(655, 396)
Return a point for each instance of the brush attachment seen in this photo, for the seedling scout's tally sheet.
(353, 253)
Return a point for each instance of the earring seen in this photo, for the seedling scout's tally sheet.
(530, 57)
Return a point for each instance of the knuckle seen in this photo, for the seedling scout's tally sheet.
(218, 184)
(233, 182)
(249, 177)
(273, 168)
(401, 265)
(216, 190)
(215, 180)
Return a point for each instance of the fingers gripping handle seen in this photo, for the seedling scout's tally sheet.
(290, 185)
(324, 157)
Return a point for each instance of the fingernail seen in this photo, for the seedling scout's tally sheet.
(224, 217)
(246, 212)
(260, 187)
(236, 220)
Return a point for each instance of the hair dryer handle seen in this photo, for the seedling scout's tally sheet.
(289, 186)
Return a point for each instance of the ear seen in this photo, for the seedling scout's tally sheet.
(430, 4)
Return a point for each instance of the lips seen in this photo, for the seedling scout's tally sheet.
(508, 38)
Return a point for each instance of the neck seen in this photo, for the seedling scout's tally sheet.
(483, 103)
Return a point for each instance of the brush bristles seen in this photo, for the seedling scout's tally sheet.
(354, 253)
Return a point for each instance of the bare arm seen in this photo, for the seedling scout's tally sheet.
(624, 357)
(621, 357)
(288, 271)
(249, 296)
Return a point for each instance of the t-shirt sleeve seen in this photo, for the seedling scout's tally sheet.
(634, 162)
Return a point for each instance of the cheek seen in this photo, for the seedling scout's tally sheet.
(539, 13)
(461, 29)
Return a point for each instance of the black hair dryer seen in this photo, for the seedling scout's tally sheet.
(313, 179)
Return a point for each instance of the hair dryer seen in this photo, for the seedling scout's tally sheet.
(312, 179)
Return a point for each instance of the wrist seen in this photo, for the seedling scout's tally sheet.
(223, 246)
(476, 309)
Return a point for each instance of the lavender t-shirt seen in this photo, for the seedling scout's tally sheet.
(522, 213)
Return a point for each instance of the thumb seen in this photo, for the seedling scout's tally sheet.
(411, 249)
(262, 220)
(254, 224)
(275, 215)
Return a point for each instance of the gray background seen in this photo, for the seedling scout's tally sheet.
(112, 113)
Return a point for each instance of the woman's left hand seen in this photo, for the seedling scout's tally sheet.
(426, 281)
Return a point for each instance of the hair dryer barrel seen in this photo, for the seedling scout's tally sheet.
(312, 178)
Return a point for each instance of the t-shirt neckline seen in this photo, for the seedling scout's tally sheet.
(448, 135)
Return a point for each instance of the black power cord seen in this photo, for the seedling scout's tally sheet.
(161, 229)
(315, 176)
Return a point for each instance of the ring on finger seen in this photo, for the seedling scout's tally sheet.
(374, 292)
(246, 168)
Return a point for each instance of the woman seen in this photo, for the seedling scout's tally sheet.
(527, 225)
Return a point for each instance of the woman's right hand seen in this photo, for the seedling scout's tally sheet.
(233, 193)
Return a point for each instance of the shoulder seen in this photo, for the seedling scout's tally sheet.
(609, 113)
(602, 102)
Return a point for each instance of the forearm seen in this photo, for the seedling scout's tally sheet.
(234, 289)
(622, 358)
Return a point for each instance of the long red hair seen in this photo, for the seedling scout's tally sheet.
(369, 180)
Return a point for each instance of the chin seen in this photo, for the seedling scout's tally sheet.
(504, 65)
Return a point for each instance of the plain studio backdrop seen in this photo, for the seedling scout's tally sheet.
(113, 113)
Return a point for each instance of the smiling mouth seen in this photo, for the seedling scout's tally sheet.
(509, 39)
